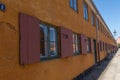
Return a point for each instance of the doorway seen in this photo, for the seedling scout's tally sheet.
(95, 51)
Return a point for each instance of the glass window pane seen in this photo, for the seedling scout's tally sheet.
(73, 38)
(71, 3)
(88, 45)
(87, 13)
(52, 34)
(78, 44)
(97, 23)
(43, 40)
(77, 50)
(44, 49)
(75, 43)
(44, 32)
(74, 48)
(84, 11)
(92, 18)
(75, 5)
(53, 49)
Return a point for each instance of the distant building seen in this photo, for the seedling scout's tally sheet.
(51, 39)
(118, 40)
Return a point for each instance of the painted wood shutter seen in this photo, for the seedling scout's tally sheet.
(103, 46)
(92, 45)
(83, 44)
(100, 46)
(29, 39)
(107, 48)
(66, 42)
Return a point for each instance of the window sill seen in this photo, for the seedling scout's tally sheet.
(76, 11)
(89, 52)
(76, 54)
(49, 58)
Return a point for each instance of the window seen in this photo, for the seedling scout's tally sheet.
(85, 11)
(97, 23)
(73, 5)
(102, 30)
(99, 26)
(103, 46)
(100, 46)
(76, 43)
(48, 41)
(88, 42)
(93, 19)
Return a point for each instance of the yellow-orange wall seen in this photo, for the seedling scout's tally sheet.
(56, 12)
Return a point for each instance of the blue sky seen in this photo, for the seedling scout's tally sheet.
(110, 11)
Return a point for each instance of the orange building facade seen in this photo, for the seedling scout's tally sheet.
(51, 40)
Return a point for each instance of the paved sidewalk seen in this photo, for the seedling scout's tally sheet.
(112, 71)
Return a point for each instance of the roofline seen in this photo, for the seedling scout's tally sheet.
(101, 18)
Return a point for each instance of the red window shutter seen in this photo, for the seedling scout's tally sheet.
(66, 42)
(24, 40)
(83, 44)
(30, 39)
(100, 46)
(103, 46)
(107, 48)
(92, 45)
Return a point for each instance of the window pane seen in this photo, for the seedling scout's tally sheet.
(52, 34)
(53, 44)
(53, 49)
(84, 11)
(44, 49)
(75, 43)
(75, 5)
(74, 48)
(44, 32)
(77, 50)
(88, 45)
(71, 3)
(97, 23)
(92, 18)
(43, 40)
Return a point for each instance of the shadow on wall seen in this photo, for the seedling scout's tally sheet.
(10, 26)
